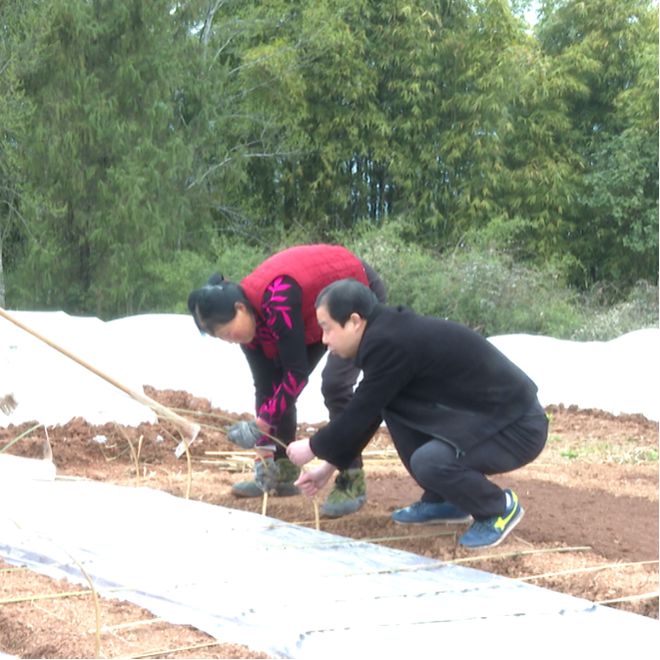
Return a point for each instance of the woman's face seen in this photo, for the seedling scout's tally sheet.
(240, 330)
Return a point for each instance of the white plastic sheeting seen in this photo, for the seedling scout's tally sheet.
(167, 352)
(286, 590)
(618, 376)
(291, 591)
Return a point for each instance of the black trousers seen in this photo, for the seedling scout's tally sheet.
(460, 478)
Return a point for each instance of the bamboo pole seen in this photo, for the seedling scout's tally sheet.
(185, 426)
(50, 596)
(178, 649)
(587, 569)
(518, 553)
(97, 608)
(629, 599)
(465, 560)
(19, 437)
(129, 624)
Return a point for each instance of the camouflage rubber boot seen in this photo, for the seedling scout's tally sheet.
(287, 474)
(348, 495)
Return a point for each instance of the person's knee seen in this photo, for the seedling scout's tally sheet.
(431, 460)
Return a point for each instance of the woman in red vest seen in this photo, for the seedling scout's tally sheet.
(271, 314)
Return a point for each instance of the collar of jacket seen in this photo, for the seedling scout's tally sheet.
(375, 312)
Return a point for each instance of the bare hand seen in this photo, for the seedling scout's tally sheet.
(312, 481)
(299, 452)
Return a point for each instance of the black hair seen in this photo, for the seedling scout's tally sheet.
(215, 303)
(345, 297)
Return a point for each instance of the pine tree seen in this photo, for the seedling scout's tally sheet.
(105, 151)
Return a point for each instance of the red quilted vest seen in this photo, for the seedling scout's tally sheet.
(313, 267)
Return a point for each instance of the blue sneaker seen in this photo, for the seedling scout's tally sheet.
(492, 531)
(421, 513)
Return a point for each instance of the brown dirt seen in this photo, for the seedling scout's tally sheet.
(591, 500)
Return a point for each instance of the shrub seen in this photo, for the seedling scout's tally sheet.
(603, 321)
(481, 288)
(173, 280)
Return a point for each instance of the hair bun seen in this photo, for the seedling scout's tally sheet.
(216, 278)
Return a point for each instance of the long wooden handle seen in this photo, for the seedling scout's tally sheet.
(184, 424)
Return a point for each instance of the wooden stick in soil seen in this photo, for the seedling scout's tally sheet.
(188, 428)
(97, 609)
(628, 599)
(462, 560)
(178, 649)
(518, 553)
(56, 596)
(129, 624)
(134, 454)
(587, 569)
(19, 437)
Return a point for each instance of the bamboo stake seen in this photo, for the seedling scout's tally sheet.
(186, 426)
(188, 472)
(129, 625)
(587, 569)
(19, 437)
(136, 459)
(97, 609)
(517, 553)
(628, 599)
(246, 453)
(164, 652)
(459, 560)
(62, 594)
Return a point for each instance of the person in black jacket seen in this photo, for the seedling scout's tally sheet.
(456, 407)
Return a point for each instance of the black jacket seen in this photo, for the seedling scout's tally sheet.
(436, 376)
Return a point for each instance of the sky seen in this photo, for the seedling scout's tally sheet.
(165, 351)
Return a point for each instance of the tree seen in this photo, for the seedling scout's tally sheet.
(382, 108)
(14, 111)
(609, 47)
(104, 150)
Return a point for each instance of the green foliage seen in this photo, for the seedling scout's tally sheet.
(484, 290)
(604, 320)
(188, 270)
(493, 294)
(145, 144)
(15, 112)
(610, 49)
(102, 151)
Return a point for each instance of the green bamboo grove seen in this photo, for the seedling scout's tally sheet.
(141, 139)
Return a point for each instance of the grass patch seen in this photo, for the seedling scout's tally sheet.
(624, 451)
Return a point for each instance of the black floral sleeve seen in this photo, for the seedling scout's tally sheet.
(281, 326)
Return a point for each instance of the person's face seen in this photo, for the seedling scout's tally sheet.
(240, 330)
(343, 341)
